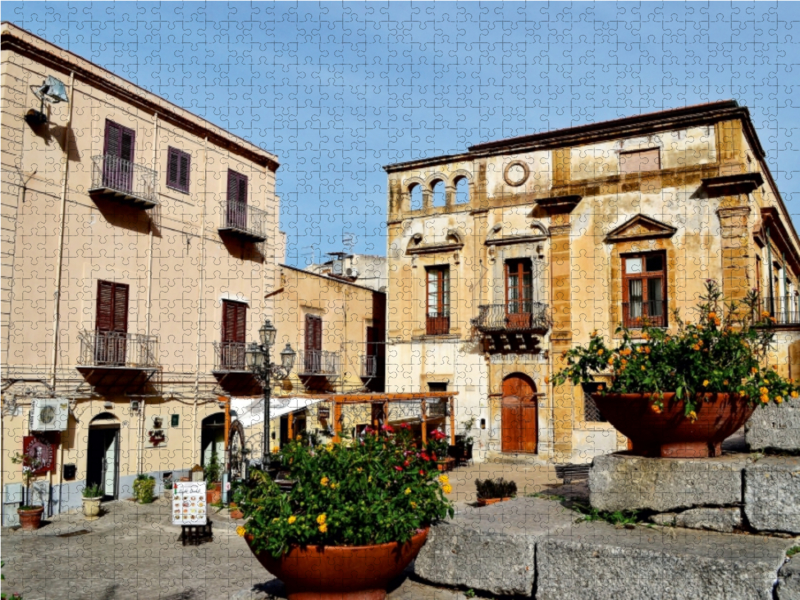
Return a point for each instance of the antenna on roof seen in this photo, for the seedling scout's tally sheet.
(348, 241)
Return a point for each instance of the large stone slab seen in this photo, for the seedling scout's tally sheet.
(492, 548)
(789, 581)
(772, 494)
(625, 482)
(724, 520)
(774, 426)
(600, 562)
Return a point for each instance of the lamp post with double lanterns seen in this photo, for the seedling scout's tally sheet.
(260, 364)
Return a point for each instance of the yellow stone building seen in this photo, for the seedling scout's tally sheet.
(504, 256)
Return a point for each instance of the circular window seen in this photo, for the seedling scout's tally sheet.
(516, 173)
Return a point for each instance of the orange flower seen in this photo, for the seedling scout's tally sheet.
(655, 408)
(600, 352)
(695, 347)
(712, 315)
(765, 399)
(778, 399)
(692, 416)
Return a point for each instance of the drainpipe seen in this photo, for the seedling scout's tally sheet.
(769, 274)
(201, 290)
(61, 228)
(150, 232)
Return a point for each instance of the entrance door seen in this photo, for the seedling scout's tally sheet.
(102, 464)
(519, 414)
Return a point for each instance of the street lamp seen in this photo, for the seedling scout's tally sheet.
(259, 362)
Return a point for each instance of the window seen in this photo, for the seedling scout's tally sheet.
(415, 196)
(591, 413)
(439, 193)
(118, 160)
(638, 161)
(644, 289)
(178, 164)
(438, 301)
(462, 191)
(111, 325)
(519, 292)
(435, 386)
(313, 345)
(237, 200)
(234, 332)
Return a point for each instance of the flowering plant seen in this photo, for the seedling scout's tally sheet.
(373, 491)
(437, 445)
(30, 465)
(724, 351)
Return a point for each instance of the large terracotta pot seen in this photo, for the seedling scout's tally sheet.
(341, 572)
(30, 519)
(670, 434)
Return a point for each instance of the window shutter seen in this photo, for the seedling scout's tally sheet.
(183, 179)
(105, 303)
(318, 334)
(241, 322)
(242, 189)
(121, 307)
(113, 133)
(172, 167)
(233, 187)
(126, 144)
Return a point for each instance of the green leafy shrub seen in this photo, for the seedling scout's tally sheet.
(212, 470)
(489, 489)
(725, 351)
(373, 491)
(144, 488)
(92, 491)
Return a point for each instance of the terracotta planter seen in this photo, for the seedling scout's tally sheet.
(214, 496)
(235, 512)
(488, 501)
(30, 519)
(341, 572)
(91, 508)
(670, 434)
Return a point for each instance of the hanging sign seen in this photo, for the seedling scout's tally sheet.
(189, 503)
(40, 453)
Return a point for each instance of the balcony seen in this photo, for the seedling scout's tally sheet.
(243, 221)
(369, 366)
(437, 324)
(785, 310)
(636, 315)
(231, 372)
(113, 359)
(122, 181)
(512, 326)
(318, 369)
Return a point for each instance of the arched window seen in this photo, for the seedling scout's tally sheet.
(439, 194)
(415, 192)
(462, 190)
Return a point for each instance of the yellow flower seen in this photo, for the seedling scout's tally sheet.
(275, 449)
(447, 488)
(600, 352)
(329, 446)
(369, 479)
(778, 399)
(321, 519)
(408, 491)
(705, 383)
(712, 315)
(324, 481)
(323, 528)
(765, 399)
(763, 391)
(360, 470)
(413, 504)
(333, 486)
(795, 394)
(611, 360)
(444, 479)
(292, 519)
(656, 409)
(299, 437)
(692, 416)
(643, 368)
(725, 382)
(240, 531)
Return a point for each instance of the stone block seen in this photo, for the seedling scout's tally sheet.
(774, 426)
(666, 519)
(492, 548)
(601, 562)
(772, 494)
(789, 581)
(712, 519)
(626, 482)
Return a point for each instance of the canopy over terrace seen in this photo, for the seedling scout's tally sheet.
(340, 400)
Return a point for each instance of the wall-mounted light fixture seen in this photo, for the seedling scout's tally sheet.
(53, 91)
(483, 423)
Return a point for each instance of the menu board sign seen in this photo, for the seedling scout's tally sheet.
(189, 503)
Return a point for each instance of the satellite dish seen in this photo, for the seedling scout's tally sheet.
(52, 91)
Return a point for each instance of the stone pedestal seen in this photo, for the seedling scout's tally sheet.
(776, 427)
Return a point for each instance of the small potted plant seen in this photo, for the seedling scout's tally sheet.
(491, 491)
(144, 488)
(213, 486)
(91, 497)
(464, 442)
(30, 516)
(168, 482)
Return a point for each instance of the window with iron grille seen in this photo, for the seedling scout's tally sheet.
(178, 165)
(644, 290)
(638, 161)
(437, 320)
(591, 413)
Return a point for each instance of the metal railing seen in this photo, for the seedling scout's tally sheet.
(515, 315)
(318, 362)
(122, 176)
(784, 309)
(243, 218)
(369, 365)
(637, 314)
(230, 356)
(117, 349)
(437, 323)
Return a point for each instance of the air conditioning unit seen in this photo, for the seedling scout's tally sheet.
(49, 414)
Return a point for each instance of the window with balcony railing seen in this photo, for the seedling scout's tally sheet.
(437, 320)
(644, 290)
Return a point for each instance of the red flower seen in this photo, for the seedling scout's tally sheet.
(388, 428)
(433, 456)
(424, 456)
(421, 472)
(368, 429)
(404, 426)
(398, 468)
(406, 464)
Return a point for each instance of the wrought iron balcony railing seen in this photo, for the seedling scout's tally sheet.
(437, 323)
(637, 314)
(318, 362)
(784, 309)
(244, 221)
(369, 366)
(117, 349)
(229, 356)
(515, 315)
(122, 180)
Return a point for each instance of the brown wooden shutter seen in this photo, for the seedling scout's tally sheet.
(234, 321)
(313, 333)
(242, 189)
(183, 178)
(105, 306)
(173, 164)
(113, 134)
(121, 307)
(241, 322)
(233, 187)
(126, 144)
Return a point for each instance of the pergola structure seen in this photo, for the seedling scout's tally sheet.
(340, 400)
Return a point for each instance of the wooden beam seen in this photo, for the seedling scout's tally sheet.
(423, 405)
(290, 426)
(452, 421)
(337, 419)
(386, 412)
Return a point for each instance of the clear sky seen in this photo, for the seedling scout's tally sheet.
(338, 90)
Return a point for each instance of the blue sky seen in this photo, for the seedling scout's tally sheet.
(339, 90)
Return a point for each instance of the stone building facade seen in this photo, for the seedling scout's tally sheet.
(139, 243)
(505, 256)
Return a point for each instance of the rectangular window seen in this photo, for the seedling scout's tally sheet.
(313, 345)
(644, 290)
(438, 301)
(434, 386)
(178, 165)
(237, 200)
(234, 334)
(519, 293)
(638, 161)
(118, 151)
(111, 324)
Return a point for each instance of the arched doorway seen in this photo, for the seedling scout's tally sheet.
(519, 414)
(212, 440)
(102, 456)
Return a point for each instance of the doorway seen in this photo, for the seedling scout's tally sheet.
(212, 440)
(519, 415)
(102, 462)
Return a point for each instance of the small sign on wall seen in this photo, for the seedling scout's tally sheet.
(156, 433)
(40, 452)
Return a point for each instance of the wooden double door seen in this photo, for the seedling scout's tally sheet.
(519, 414)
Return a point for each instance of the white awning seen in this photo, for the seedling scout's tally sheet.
(250, 411)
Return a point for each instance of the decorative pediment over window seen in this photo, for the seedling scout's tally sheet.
(452, 241)
(499, 235)
(640, 227)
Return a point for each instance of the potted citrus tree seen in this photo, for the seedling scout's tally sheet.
(357, 514)
(30, 515)
(680, 393)
(91, 497)
(491, 491)
(212, 473)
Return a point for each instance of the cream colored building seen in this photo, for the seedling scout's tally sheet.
(504, 256)
(139, 242)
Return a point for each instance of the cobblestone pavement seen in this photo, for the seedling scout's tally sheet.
(133, 551)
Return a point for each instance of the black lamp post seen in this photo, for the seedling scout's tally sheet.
(259, 362)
